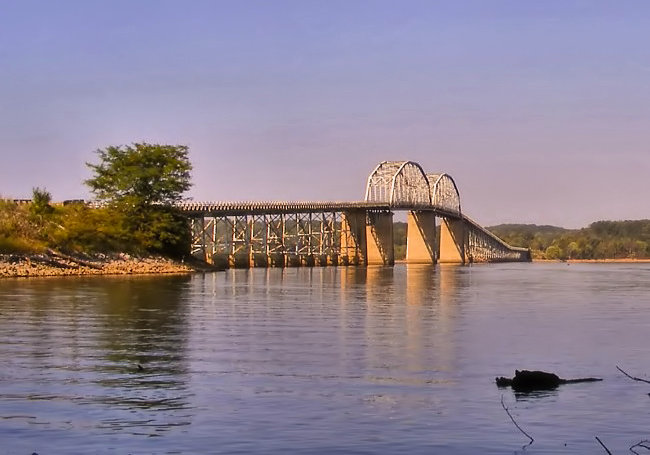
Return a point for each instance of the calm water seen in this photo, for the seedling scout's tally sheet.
(325, 360)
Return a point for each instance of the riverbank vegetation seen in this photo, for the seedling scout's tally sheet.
(78, 228)
(599, 240)
(135, 186)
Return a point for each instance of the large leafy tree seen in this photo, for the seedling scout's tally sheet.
(141, 182)
(141, 174)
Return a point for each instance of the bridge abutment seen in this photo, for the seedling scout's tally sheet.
(421, 238)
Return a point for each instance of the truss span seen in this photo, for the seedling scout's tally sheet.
(444, 192)
(402, 184)
(484, 246)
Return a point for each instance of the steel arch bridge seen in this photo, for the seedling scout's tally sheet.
(283, 233)
(405, 185)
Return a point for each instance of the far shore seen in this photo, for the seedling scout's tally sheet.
(52, 264)
(588, 261)
(576, 261)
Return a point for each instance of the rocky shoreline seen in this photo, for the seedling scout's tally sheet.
(58, 264)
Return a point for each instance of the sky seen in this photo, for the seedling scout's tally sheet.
(539, 110)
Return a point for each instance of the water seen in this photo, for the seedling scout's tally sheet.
(325, 360)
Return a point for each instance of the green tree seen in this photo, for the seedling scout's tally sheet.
(41, 199)
(553, 252)
(141, 174)
(142, 182)
(573, 250)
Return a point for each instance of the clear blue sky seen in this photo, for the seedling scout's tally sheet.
(540, 110)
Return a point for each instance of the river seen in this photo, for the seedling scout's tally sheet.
(337, 360)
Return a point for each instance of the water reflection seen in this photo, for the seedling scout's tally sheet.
(535, 395)
(417, 301)
(143, 343)
(319, 360)
(104, 343)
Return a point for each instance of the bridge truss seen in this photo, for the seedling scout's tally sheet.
(339, 233)
(276, 239)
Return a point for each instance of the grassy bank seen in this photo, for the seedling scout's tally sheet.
(33, 228)
(42, 239)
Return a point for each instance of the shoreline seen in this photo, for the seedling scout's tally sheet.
(597, 261)
(559, 261)
(53, 264)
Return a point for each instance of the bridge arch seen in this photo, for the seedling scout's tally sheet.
(402, 184)
(444, 192)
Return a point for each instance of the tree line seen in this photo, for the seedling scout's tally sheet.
(600, 240)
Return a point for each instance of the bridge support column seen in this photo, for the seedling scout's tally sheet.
(353, 238)
(379, 239)
(259, 260)
(453, 241)
(220, 260)
(275, 260)
(421, 238)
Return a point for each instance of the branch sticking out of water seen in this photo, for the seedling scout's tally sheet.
(643, 444)
(604, 446)
(632, 377)
(503, 405)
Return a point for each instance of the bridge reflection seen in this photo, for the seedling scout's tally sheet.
(377, 320)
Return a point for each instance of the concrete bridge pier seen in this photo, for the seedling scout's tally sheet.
(454, 241)
(379, 238)
(292, 260)
(333, 259)
(308, 260)
(219, 259)
(353, 238)
(239, 261)
(258, 260)
(275, 259)
(421, 238)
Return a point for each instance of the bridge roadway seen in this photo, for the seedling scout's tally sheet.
(217, 209)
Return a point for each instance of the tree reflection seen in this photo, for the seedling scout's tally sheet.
(144, 341)
(81, 341)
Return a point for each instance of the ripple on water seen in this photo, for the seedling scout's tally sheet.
(324, 360)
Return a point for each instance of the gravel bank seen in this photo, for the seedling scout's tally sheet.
(56, 264)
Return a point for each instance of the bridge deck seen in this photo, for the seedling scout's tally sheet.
(199, 209)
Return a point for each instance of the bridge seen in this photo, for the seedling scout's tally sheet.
(265, 234)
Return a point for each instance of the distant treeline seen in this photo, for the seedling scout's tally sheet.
(600, 240)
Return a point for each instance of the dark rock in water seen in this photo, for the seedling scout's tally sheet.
(525, 381)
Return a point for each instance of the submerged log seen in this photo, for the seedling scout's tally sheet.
(526, 381)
